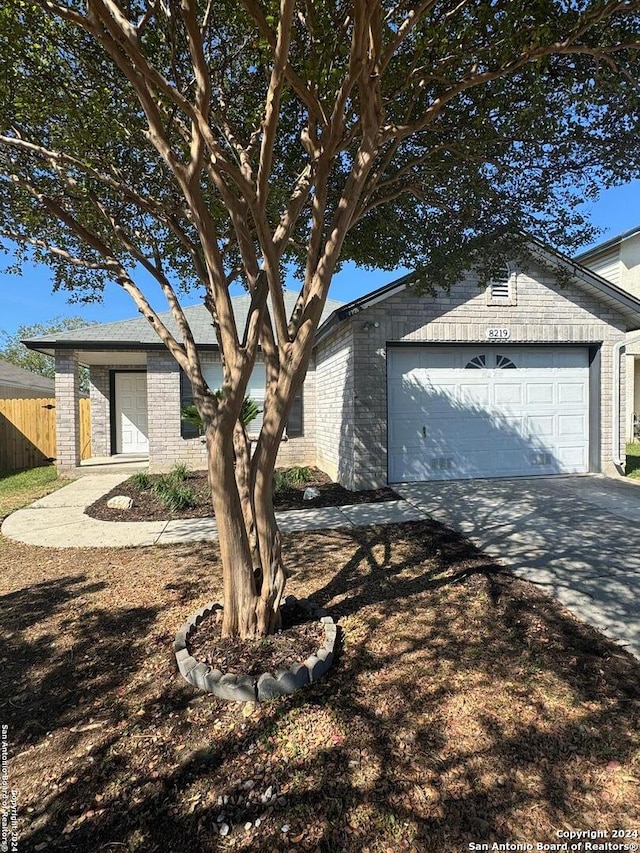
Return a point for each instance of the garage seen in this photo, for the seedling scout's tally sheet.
(460, 412)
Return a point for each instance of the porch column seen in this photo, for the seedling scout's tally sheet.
(67, 410)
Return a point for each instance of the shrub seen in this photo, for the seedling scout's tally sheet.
(280, 483)
(286, 478)
(141, 480)
(298, 475)
(176, 496)
(179, 472)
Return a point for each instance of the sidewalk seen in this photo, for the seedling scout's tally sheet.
(59, 521)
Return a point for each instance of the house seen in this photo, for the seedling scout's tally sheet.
(517, 379)
(618, 260)
(16, 383)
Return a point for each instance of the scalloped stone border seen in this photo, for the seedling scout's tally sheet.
(245, 688)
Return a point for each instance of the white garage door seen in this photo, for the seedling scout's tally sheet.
(487, 411)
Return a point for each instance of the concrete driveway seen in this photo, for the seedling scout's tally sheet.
(576, 536)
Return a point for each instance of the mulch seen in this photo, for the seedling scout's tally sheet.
(147, 506)
(298, 638)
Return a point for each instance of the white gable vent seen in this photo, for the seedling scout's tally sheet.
(501, 289)
(500, 284)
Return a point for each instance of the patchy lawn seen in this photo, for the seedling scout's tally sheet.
(465, 707)
(17, 489)
(633, 460)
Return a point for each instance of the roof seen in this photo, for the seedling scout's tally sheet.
(137, 333)
(18, 377)
(608, 244)
(592, 283)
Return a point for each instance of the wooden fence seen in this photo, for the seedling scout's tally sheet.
(28, 432)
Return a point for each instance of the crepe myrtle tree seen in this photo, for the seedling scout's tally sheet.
(208, 142)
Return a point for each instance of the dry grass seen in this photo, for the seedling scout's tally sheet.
(465, 707)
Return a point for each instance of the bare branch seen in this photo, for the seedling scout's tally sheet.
(272, 104)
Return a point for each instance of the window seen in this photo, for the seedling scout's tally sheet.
(255, 390)
(504, 363)
(477, 363)
(187, 430)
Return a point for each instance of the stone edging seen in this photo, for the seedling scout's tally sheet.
(246, 688)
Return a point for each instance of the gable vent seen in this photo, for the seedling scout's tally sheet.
(500, 285)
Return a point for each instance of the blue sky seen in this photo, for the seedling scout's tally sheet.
(29, 298)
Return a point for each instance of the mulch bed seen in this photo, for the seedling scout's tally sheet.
(297, 640)
(147, 506)
(465, 706)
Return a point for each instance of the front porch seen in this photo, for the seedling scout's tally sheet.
(119, 411)
(119, 463)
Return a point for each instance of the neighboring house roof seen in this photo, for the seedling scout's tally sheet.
(608, 244)
(18, 377)
(137, 333)
(590, 282)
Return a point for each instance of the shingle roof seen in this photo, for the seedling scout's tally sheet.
(138, 331)
(607, 244)
(18, 377)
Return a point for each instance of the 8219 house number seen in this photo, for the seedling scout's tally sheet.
(494, 333)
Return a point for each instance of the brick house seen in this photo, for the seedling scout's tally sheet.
(518, 379)
(618, 260)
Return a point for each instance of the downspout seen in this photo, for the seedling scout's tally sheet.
(618, 461)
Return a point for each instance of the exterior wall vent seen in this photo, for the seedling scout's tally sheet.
(540, 458)
(441, 463)
(502, 288)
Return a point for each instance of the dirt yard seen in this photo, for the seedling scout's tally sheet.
(465, 707)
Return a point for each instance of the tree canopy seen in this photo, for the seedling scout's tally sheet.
(211, 142)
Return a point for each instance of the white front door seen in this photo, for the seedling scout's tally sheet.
(487, 411)
(132, 434)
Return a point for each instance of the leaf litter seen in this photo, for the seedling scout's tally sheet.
(464, 706)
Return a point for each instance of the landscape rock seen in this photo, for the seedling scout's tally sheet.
(120, 502)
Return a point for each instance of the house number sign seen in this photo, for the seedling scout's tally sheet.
(495, 333)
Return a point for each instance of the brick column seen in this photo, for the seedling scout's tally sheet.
(100, 411)
(67, 415)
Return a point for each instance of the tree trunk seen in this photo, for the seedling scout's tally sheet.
(240, 598)
(250, 543)
(269, 539)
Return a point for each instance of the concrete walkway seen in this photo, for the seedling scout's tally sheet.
(577, 537)
(59, 521)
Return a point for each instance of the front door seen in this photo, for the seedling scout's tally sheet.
(132, 434)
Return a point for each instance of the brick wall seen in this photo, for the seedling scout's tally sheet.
(100, 412)
(543, 313)
(67, 415)
(335, 407)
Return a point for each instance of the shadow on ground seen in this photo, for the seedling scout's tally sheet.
(464, 707)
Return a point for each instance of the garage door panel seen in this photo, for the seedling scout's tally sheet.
(542, 426)
(539, 393)
(572, 459)
(571, 425)
(572, 392)
(457, 422)
(508, 394)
